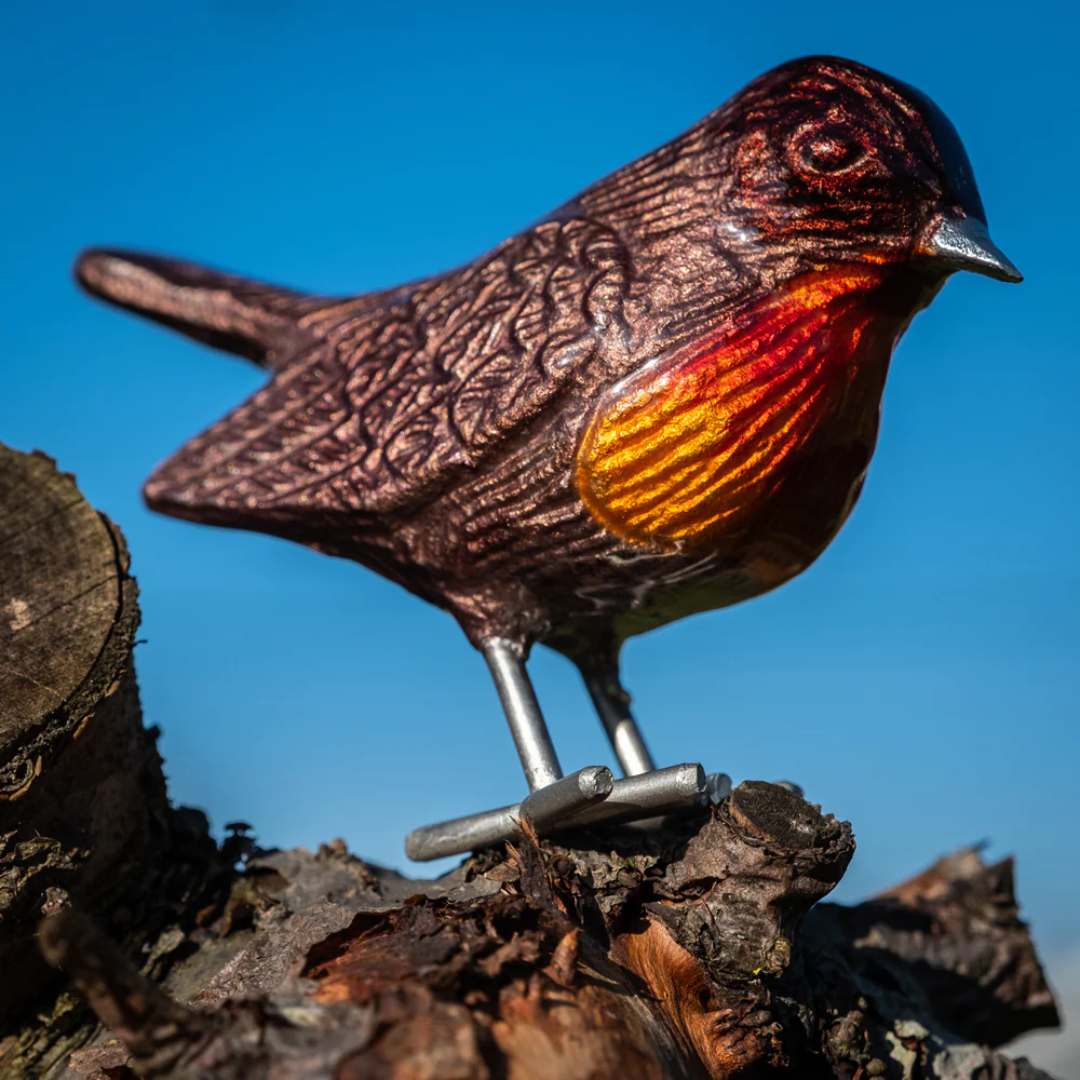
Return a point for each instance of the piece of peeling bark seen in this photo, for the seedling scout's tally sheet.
(930, 974)
(161, 1039)
(988, 985)
(157, 1032)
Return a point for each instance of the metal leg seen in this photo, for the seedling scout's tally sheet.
(613, 706)
(522, 714)
(587, 797)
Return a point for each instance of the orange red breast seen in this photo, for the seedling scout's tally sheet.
(690, 445)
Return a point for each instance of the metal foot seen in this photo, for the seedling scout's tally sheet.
(717, 786)
(588, 797)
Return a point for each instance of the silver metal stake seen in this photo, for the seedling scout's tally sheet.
(622, 730)
(522, 714)
(662, 791)
(678, 788)
(544, 809)
(548, 806)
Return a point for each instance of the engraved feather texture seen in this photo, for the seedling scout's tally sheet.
(662, 397)
(392, 398)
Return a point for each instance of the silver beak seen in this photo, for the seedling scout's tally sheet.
(963, 243)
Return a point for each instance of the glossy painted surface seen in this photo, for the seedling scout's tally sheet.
(695, 444)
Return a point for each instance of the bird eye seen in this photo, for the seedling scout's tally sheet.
(829, 151)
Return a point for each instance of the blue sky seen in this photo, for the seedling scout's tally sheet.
(922, 679)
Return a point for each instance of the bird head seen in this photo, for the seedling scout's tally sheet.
(825, 161)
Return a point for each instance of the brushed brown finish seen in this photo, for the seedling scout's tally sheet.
(430, 431)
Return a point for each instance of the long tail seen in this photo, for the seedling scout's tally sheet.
(254, 320)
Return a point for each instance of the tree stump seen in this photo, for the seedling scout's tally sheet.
(696, 948)
(84, 817)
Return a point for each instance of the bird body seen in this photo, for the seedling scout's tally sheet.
(662, 398)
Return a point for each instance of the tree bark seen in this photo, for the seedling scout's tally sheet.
(696, 948)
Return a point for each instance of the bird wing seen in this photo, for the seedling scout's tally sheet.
(385, 399)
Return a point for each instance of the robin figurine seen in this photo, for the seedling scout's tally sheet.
(660, 399)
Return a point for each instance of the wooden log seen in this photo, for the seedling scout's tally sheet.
(696, 948)
(73, 787)
(84, 817)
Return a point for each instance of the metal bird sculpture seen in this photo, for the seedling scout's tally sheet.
(660, 399)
